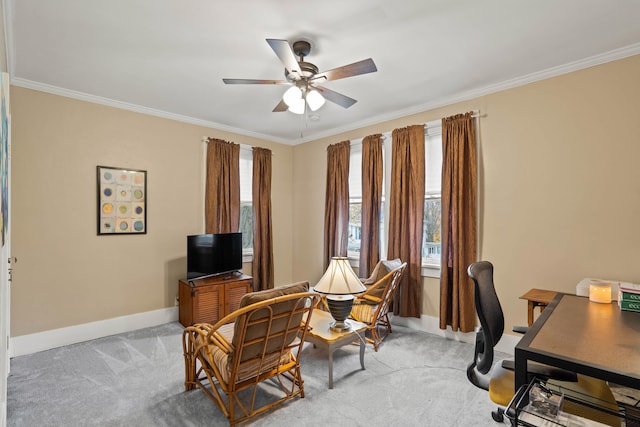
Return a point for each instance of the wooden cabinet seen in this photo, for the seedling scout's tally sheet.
(210, 299)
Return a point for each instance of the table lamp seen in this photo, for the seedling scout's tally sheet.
(340, 283)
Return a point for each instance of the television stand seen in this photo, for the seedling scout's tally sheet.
(209, 299)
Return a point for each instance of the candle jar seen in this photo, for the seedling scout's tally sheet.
(600, 292)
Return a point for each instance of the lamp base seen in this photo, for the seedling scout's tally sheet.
(340, 325)
(340, 308)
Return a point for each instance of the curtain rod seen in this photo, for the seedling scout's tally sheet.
(245, 147)
(434, 125)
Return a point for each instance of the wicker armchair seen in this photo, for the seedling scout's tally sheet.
(372, 307)
(260, 341)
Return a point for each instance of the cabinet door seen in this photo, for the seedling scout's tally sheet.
(208, 304)
(234, 292)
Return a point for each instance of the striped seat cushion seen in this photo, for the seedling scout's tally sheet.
(364, 312)
(222, 358)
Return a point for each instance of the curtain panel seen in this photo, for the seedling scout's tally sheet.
(336, 215)
(262, 236)
(459, 183)
(372, 174)
(222, 190)
(406, 214)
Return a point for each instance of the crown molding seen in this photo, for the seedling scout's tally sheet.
(592, 61)
(81, 96)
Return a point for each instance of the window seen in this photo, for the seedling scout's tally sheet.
(432, 198)
(246, 196)
(355, 201)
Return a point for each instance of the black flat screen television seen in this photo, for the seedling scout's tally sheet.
(213, 254)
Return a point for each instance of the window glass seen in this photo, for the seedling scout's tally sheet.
(432, 197)
(246, 195)
(355, 201)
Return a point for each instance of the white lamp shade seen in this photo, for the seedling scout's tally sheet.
(292, 96)
(315, 99)
(339, 279)
(297, 107)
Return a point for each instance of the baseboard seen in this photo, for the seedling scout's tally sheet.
(40, 341)
(431, 325)
(33, 343)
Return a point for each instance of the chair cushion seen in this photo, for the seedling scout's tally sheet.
(222, 360)
(381, 269)
(260, 329)
(259, 296)
(364, 312)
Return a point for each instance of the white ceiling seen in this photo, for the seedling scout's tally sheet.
(168, 57)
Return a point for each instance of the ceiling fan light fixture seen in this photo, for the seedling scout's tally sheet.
(297, 106)
(315, 99)
(293, 96)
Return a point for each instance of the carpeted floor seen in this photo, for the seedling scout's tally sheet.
(136, 379)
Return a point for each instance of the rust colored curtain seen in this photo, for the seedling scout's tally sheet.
(222, 193)
(459, 181)
(372, 171)
(262, 237)
(336, 214)
(406, 216)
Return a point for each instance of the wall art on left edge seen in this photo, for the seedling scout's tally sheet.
(122, 201)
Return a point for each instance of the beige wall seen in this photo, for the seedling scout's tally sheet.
(66, 274)
(3, 44)
(559, 197)
(559, 184)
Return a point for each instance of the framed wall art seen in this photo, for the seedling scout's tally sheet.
(122, 201)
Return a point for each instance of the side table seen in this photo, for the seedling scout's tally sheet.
(537, 298)
(321, 335)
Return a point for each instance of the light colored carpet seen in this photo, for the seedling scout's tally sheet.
(136, 379)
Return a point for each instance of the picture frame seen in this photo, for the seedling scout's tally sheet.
(122, 201)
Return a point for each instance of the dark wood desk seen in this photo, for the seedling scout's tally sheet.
(598, 340)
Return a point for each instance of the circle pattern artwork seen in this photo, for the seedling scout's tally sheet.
(122, 201)
(107, 208)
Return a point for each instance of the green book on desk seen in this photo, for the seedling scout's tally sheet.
(628, 296)
(629, 305)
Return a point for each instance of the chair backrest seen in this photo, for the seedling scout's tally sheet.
(390, 290)
(268, 329)
(491, 319)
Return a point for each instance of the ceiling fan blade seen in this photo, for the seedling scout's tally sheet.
(282, 106)
(284, 52)
(361, 67)
(254, 82)
(335, 97)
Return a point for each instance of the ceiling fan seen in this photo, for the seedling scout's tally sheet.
(303, 77)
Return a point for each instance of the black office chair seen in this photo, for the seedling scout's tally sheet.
(500, 380)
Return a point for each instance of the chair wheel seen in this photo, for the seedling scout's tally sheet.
(497, 415)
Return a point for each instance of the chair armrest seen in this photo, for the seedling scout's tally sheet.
(368, 298)
(520, 329)
(219, 340)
